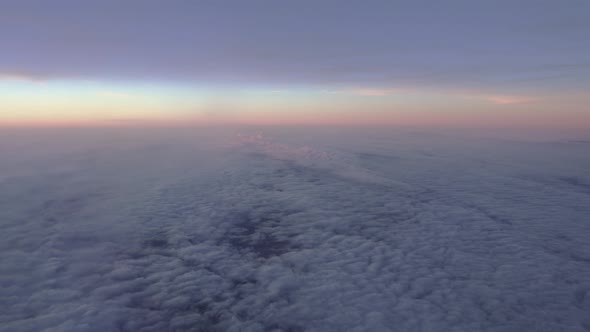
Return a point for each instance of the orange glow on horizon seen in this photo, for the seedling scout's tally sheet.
(411, 116)
(80, 103)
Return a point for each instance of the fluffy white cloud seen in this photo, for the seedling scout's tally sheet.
(292, 231)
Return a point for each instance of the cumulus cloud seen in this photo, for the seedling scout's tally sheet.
(160, 231)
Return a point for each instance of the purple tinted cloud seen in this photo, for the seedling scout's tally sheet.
(455, 43)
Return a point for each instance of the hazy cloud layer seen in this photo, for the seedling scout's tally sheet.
(463, 44)
(292, 230)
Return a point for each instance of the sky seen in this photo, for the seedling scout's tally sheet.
(435, 63)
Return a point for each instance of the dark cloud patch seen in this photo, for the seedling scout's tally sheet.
(576, 182)
(256, 234)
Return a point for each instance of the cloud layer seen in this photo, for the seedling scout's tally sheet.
(461, 44)
(292, 230)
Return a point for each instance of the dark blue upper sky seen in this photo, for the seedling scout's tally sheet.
(510, 45)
